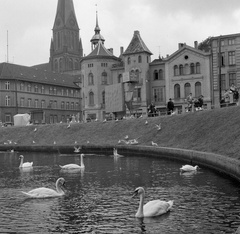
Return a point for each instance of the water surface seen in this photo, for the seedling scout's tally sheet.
(98, 199)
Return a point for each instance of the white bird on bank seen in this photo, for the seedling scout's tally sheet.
(152, 208)
(126, 137)
(46, 192)
(77, 150)
(158, 126)
(69, 125)
(73, 166)
(26, 164)
(146, 122)
(35, 129)
(154, 144)
(133, 142)
(186, 168)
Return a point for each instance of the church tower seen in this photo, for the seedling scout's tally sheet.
(66, 45)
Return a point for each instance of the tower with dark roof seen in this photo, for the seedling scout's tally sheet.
(66, 45)
(97, 36)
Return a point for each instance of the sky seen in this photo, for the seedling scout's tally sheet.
(26, 25)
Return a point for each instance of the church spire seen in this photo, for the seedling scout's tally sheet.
(66, 48)
(97, 37)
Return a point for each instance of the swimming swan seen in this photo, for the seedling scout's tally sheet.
(74, 166)
(46, 192)
(188, 168)
(152, 208)
(26, 164)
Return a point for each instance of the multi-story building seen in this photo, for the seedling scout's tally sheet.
(225, 56)
(48, 97)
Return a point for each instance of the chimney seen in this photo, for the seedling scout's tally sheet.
(196, 44)
(180, 45)
(136, 32)
(121, 50)
(111, 50)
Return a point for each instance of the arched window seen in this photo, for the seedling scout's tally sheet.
(176, 72)
(104, 78)
(181, 70)
(70, 64)
(61, 64)
(187, 89)
(7, 101)
(198, 89)
(103, 97)
(91, 98)
(160, 74)
(177, 91)
(137, 75)
(129, 60)
(198, 68)
(55, 65)
(120, 78)
(139, 59)
(192, 68)
(155, 75)
(76, 64)
(90, 79)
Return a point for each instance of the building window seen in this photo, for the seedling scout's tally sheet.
(43, 104)
(70, 64)
(22, 87)
(22, 102)
(232, 78)
(177, 93)
(50, 90)
(176, 72)
(139, 59)
(120, 78)
(186, 69)
(192, 68)
(67, 93)
(91, 99)
(60, 65)
(90, 79)
(198, 89)
(231, 58)
(103, 97)
(36, 89)
(29, 88)
(198, 69)
(55, 91)
(56, 65)
(231, 41)
(155, 75)
(158, 94)
(181, 70)
(62, 105)
(29, 102)
(223, 82)
(137, 94)
(187, 89)
(42, 89)
(128, 60)
(104, 78)
(221, 59)
(7, 101)
(50, 104)
(160, 74)
(36, 103)
(7, 85)
(67, 106)
(55, 104)
(77, 106)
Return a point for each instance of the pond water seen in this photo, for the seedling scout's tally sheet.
(99, 198)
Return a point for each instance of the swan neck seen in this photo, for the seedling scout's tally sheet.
(140, 208)
(82, 164)
(58, 188)
(21, 162)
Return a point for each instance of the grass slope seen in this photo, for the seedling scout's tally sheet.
(216, 131)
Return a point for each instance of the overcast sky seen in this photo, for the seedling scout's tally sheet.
(162, 24)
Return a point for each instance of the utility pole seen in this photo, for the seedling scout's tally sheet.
(219, 67)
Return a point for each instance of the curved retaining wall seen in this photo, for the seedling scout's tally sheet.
(217, 162)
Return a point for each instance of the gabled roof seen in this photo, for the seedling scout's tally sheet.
(186, 47)
(137, 45)
(100, 51)
(31, 74)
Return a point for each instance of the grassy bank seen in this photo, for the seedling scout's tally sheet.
(215, 131)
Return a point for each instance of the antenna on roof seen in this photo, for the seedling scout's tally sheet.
(7, 46)
(159, 54)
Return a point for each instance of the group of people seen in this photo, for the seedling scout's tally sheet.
(226, 96)
(197, 103)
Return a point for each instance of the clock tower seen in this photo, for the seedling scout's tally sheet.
(66, 45)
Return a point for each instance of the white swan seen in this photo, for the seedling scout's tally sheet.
(152, 208)
(115, 153)
(74, 166)
(188, 168)
(26, 164)
(46, 192)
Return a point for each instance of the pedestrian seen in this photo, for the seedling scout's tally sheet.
(170, 106)
(189, 101)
